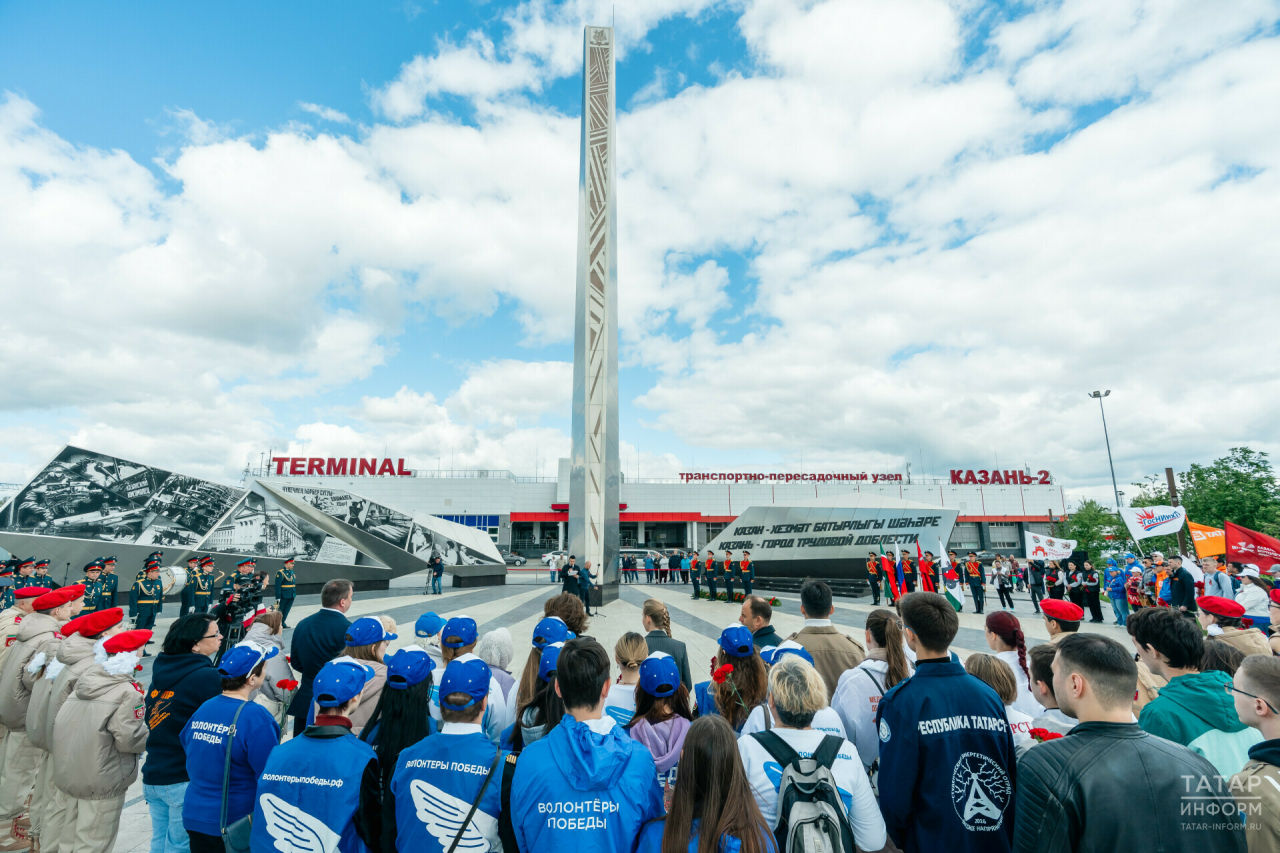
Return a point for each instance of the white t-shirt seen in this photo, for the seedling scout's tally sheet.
(495, 717)
(764, 775)
(1026, 701)
(1019, 724)
(621, 703)
(826, 721)
(856, 700)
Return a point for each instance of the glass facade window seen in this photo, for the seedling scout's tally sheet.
(964, 537)
(1003, 534)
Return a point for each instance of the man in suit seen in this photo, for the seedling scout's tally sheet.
(317, 640)
(569, 576)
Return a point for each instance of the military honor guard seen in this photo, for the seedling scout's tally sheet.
(286, 590)
(693, 572)
(42, 572)
(6, 592)
(149, 594)
(202, 585)
(747, 572)
(94, 592)
(873, 576)
(26, 574)
(110, 581)
(186, 600)
(710, 569)
(730, 573)
(908, 573)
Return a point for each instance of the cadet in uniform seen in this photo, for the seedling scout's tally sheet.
(747, 572)
(202, 585)
(710, 569)
(730, 572)
(93, 591)
(149, 593)
(286, 590)
(110, 582)
(187, 600)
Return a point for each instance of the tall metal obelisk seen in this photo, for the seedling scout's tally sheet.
(594, 477)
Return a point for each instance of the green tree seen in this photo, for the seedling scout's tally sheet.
(1240, 487)
(1096, 529)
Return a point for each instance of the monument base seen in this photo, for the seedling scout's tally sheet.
(602, 594)
(464, 581)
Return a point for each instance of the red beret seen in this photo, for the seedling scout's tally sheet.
(1219, 606)
(1064, 611)
(126, 641)
(31, 592)
(59, 597)
(93, 624)
(73, 627)
(1275, 595)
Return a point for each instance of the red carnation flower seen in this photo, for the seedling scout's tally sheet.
(721, 674)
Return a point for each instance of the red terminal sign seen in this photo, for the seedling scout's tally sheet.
(994, 477)
(316, 466)
(789, 478)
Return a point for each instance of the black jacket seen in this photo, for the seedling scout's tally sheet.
(658, 641)
(317, 640)
(1112, 786)
(179, 685)
(1182, 590)
(766, 636)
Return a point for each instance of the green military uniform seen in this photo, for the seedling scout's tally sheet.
(187, 600)
(202, 591)
(93, 594)
(286, 591)
(110, 584)
(6, 592)
(149, 598)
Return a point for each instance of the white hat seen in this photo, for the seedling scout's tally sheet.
(1250, 571)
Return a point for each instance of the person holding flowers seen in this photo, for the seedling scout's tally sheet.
(739, 681)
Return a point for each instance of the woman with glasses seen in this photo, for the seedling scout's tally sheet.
(183, 678)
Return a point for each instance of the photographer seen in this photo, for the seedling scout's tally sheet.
(240, 596)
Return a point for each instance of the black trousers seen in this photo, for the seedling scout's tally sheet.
(711, 582)
(1076, 594)
(1055, 591)
(1095, 603)
(201, 843)
(1006, 596)
(910, 581)
(728, 587)
(1037, 593)
(979, 594)
(584, 592)
(284, 605)
(874, 580)
(697, 587)
(746, 586)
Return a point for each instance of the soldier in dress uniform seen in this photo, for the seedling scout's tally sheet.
(42, 573)
(710, 569)
(908, 573)
(693, 572)
(26, 574)
(202, 585)
(873, 577)
(187, 600)
(93, 592)
(729, 573)
(286, 590)
(110, 583)
(142, 575)
(149, 593)
(747, 571)
(6, 592)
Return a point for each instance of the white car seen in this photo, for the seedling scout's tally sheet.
(548, 559)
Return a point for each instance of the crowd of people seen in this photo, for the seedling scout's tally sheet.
(818, 741)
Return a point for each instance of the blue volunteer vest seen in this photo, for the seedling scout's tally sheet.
(308, 795)
(435, 782)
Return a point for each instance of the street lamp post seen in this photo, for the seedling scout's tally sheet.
(1098, 395)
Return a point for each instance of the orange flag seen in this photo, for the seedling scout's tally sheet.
(1209, 541)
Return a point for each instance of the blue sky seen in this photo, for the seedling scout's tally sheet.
(844, 228)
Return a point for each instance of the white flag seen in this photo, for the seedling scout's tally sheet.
(1147, 521)
(1048, 548)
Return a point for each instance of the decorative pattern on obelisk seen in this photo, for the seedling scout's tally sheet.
(593, 519)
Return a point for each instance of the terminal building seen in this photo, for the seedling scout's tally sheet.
(529, 515)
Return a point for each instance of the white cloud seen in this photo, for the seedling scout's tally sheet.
(326, 113)
(921, 279)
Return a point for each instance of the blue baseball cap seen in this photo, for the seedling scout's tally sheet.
(550, 630)
(428, 624)
(339, 680)
(469, 676)
(462, 627)
(773, 654)
(408, 667)
(659, 675)
(547, 665)
(736, 641)
(240, 659)
(366, 631)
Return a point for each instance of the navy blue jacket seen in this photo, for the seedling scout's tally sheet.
(317, 640)
(180, 684)
(947, 764)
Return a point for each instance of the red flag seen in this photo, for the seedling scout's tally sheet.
(925, 570)
(1250, 546)
(891, 575)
